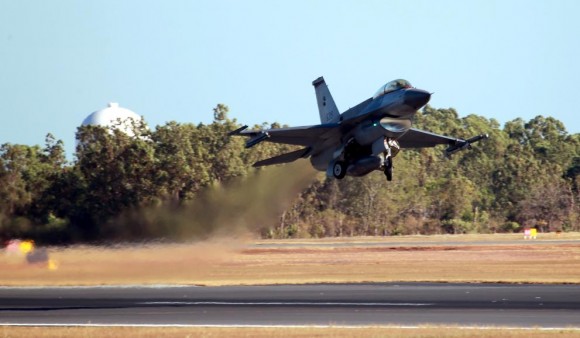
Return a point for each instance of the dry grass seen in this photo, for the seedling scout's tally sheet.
(129, 332)
(429, 238)
(228, 262)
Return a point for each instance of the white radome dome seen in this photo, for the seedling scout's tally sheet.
(114, 117)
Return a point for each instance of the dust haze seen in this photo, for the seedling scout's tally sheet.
(236, 209)
(176, 244)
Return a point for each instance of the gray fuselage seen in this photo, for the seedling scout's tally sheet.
(386, 115)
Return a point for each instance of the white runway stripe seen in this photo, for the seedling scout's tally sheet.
(409, 327)
(287, 303)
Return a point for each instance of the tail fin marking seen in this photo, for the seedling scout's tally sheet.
(326, 106)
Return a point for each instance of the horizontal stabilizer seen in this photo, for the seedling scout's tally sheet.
(284, 158)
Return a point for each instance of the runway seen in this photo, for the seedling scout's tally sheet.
(402, 304)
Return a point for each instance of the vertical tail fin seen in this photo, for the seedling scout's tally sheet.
(326, 106)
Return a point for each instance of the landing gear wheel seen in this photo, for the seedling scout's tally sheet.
(339, 170)
(389, 168)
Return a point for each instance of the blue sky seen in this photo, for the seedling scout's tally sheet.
(175, 60)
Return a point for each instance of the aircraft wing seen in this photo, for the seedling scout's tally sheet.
(415, 138)
(307, 136)
(284, 158)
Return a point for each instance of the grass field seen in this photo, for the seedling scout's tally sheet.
(129, 332)
(465, 259)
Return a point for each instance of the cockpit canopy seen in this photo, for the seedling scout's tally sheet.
(392, 86)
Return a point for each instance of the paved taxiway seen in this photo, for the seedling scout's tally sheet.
(348, 304)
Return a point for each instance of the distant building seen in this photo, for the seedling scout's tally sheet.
(114, 117)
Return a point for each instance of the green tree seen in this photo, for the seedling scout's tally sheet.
(117, 173)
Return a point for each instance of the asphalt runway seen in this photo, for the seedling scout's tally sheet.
(404, 304)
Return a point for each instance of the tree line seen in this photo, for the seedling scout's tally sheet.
(158, 184)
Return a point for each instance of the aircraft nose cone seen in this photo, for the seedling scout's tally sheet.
(416, 98)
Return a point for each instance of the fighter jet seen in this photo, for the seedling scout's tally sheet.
(362, 139)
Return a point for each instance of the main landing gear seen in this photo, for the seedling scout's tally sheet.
(339, 169)
(388, 170)
(361, 160)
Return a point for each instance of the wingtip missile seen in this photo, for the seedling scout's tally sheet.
(238, 131)
(257, 136)
(464, 144)
(477, 138)
(257, 139)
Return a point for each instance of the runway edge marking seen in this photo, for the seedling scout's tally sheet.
(409, 327)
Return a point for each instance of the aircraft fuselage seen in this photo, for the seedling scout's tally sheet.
(387, 115)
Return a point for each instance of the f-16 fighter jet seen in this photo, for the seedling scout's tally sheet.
(362, 139)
